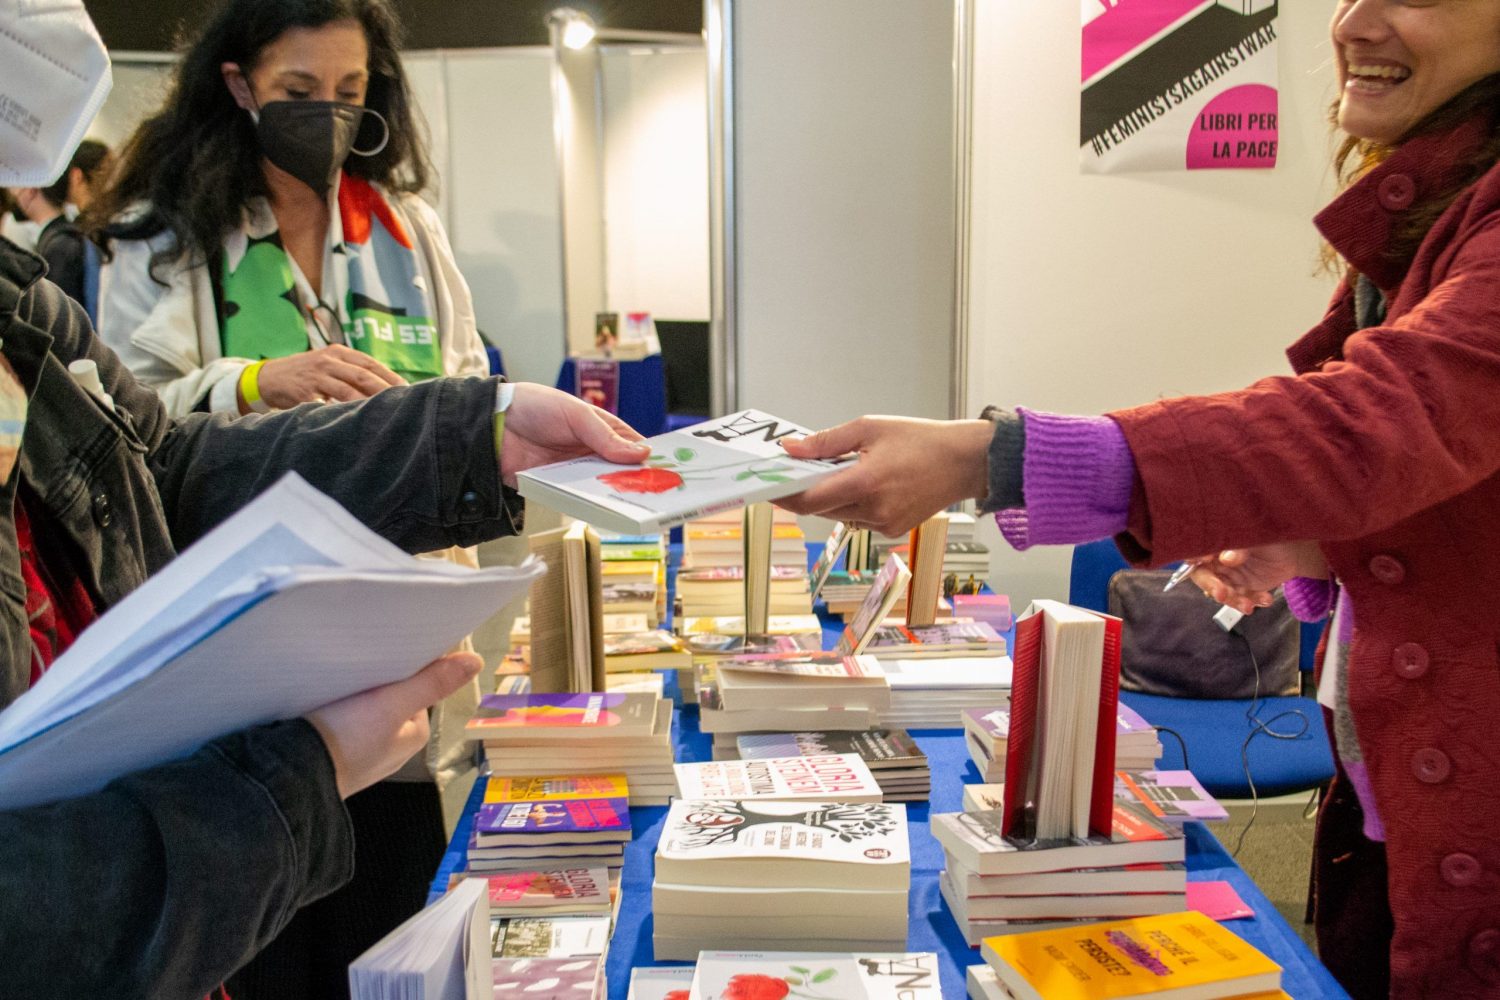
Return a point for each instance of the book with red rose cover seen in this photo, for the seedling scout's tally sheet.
(1065, 691)
(792, 975)
(831, 777)
(529, 719)
(717, 465)
(788, 845)
(666, 983)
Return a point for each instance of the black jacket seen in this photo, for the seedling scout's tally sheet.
(166, 881)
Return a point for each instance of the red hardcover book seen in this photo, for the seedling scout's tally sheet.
(1023, 752)
(1025, 684)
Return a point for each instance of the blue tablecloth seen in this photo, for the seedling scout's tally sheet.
(931, 925)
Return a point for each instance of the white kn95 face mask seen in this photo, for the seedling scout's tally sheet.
(54, 75)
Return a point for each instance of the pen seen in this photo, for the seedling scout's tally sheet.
(1180, 573)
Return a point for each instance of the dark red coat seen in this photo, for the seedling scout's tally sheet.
(1385, 447)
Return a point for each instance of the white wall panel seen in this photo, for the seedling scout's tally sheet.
(1094, 293)
(844, 206)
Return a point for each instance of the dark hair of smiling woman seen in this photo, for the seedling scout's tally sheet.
(196, 163)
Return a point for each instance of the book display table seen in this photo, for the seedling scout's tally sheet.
(931, 925)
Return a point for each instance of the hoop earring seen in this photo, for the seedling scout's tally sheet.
(384, 139)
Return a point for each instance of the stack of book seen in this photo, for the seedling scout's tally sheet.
(718, 540)
(528, 823)
(933, 692)
(634, 586)
(827, 876)
(845, 590)
(791, 692)
(965, 557)
(709, 640)
(893, 757)
(1182, 954)
(995, 884)
(658, 649)
(992, 609)
(827, 777)
(719, 591)
(986, 731)
(616, 546)
(592, 733)
(724, 975)
(942, 639)
(1171, 796)
(546, 936)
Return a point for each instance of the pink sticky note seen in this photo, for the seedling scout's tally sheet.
(1217, 901)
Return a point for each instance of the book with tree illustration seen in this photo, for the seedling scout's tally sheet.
(770, 975)
(830, 845)
(713, 466)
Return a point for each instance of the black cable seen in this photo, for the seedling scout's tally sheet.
(1180, 742)
(1258, 726)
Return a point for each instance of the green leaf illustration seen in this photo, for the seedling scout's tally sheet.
(771, 477)
(685, 454)
(825, 975)
(743, 476)
(793, 980)
(798, 968)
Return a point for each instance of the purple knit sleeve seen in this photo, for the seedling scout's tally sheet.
(1078, 474)
(1308, 600)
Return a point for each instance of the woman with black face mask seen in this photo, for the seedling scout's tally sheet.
(266, 244)
(266, 248)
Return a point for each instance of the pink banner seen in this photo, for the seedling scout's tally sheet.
(1128, 24)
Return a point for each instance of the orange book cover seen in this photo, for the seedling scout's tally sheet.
(1173, 956)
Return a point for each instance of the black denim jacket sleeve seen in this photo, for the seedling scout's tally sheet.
(168, 879)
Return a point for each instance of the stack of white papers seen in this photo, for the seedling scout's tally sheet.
(285, 607)
(442, 953)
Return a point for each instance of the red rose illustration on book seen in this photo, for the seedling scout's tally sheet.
(657, 475)
(757, 986)
(748, 986)
(646, 480)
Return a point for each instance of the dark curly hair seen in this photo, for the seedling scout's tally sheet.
(196, 163)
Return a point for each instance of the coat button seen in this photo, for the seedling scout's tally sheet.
(1484, 954)
(1396, 192)
(1409, 660)
(102, 513)
(1387, 569)
(1430, 765)
(1460, 870)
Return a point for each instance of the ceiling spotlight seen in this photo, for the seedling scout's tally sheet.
(577, 27)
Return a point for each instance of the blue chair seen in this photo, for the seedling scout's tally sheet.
(1214, 732)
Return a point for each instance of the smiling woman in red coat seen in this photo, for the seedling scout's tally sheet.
(1368, 483)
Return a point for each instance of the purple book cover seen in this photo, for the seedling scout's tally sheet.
(1174, 796)
(625, 713)
(568, 816)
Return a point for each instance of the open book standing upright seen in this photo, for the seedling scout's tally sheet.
(1065, 689)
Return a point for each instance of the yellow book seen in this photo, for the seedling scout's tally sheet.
(1173, 956)
(556, 789)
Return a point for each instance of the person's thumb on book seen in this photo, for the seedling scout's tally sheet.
(371, 734)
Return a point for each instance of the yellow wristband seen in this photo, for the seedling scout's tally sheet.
(250, 387)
